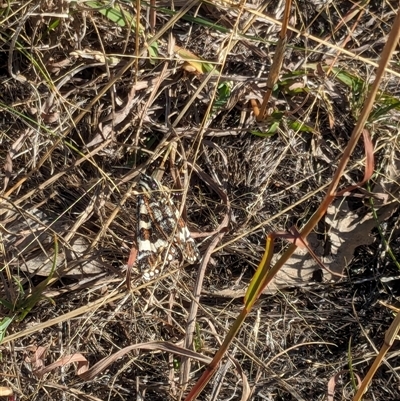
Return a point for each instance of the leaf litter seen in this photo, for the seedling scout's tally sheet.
(70, 179)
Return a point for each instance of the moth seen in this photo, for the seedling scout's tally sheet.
(162, 234)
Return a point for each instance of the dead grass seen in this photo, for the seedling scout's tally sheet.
(81, 116)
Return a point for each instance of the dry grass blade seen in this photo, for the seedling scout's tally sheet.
(61, 318)
(369, 163)
(6, 392)
(390, 337)
(276, 64)
(190, 328)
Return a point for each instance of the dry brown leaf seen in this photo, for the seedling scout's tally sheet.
(104, 131)
(32, 238)
(86, 374)
(332, 384)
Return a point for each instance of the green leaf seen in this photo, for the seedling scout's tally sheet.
(6, 304)
(383, 111)
(153, 52)
(53, 25)
(270, 132)
(223, 95)
(113, 14)
(300, 127)
(4, 323)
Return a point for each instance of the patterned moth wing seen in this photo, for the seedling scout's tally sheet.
(162, 234)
